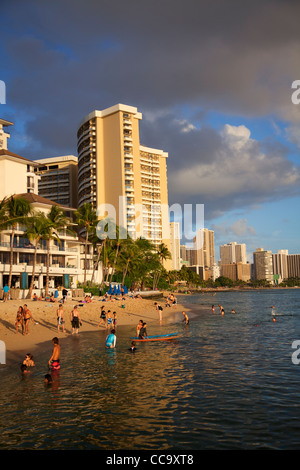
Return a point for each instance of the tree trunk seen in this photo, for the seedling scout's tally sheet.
(11, 255)
(125, 272)
(85, 257)
(96, 262)
(47, 269)
(115, 260)
(107, 274)
(33, 271)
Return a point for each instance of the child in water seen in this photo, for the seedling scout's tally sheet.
(132, 348)
(186, 318)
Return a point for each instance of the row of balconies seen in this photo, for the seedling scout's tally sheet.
(29, 246)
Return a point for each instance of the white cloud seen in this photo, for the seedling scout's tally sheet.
(239, 171)
(239, 228)
(293, 133)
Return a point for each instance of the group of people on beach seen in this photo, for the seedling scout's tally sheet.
(108, 319)
(75, 319)
(171, 300)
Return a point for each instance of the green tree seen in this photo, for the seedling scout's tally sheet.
(164, 254)
(14, 211)
(129, 255)
(148, 262)
(57, 221)
(86, 218)
(37, 229)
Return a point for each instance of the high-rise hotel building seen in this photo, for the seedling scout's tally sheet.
(115, 169)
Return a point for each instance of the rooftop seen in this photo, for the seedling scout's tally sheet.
(36, 199)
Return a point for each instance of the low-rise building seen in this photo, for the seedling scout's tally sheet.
(66, 258)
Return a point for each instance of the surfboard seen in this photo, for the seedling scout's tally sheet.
(157, 337)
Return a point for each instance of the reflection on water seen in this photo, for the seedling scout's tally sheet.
(228, 382)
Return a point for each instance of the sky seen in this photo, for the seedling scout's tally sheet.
(212, 78)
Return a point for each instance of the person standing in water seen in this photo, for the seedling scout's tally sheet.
(111, 340)
(75, 320)
(186, 318)
(54, 360)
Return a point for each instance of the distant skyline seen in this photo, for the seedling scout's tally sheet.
(213, 81)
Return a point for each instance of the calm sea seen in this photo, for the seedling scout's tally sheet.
(229, 382)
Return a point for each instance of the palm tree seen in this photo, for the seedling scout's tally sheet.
(164, 254)
(149, 261)
(37, 228)
(129, 253)
(107, 231)
(17, 209)
(97, 246)
(86, 217)
(108, 255)
(57, 221)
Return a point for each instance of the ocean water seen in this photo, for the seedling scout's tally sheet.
(229, 382)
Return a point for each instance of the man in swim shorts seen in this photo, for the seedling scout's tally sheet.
(26, 317)
(54, 360)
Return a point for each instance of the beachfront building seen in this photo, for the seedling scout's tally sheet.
(186, 256)
(280, 265)
(285, 265)
(204, 248)
(16, 173)
(201, 256)
(236, 271)
(3, 134)
(58, 179)
(121, 178)
(233, 252)
(233, 262)
(19, 177)
(175, 245)
(263, 264)
(66, 257)
(293, 266)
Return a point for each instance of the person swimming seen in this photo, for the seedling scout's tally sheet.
(132, 347)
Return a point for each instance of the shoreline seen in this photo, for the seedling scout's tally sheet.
(205, 290)
(44, 327)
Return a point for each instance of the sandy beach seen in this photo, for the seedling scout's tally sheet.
(44, 326)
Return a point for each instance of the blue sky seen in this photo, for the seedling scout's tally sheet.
(211, 78)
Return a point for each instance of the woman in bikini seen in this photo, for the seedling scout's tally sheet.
(19, 320)
(102, 316)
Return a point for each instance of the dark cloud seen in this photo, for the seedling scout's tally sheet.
(171, 59)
